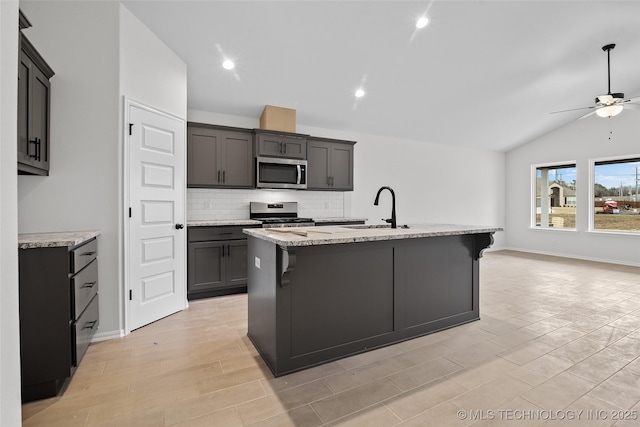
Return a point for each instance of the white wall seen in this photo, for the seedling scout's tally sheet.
(80, 42)
(150, 72)
(433, 183)
(579, 141)
(9, 329)
(100, 54)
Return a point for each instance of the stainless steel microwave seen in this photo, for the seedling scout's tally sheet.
(276, 172)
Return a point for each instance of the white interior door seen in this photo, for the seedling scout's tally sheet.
(156, 248)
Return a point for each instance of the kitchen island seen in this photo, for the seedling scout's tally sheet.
(318, 294)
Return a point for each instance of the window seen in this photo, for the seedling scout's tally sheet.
(616, 195)
(555, 204)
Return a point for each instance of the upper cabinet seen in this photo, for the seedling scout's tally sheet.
(330, 164)
(281, 144)
(34, 101)
(219, 157)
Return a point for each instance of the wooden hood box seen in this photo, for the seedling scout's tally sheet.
(278, 118)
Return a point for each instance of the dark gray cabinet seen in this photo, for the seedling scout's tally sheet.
(330, 164)
(219, 157)
(58, 314)
(34, 101)
(279, 144)
(217, 261)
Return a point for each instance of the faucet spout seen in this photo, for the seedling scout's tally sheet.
(392, 220)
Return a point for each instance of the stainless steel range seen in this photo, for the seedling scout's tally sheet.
(278, 214)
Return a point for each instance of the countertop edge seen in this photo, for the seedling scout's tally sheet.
(285, 241)
(55, 239)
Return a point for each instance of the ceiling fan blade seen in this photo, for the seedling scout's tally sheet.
(630, 106)
(573, 109)
(586, 115)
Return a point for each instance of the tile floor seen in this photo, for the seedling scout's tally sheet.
(558, 344)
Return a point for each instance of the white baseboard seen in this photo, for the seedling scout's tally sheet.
(107, 335)
(562, 255)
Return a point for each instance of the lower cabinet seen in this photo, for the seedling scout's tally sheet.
(58, 314)
(217, 261)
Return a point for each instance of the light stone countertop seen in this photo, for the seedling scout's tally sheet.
(56, 239)
(321, 220)
(222, 222)
(331, 235)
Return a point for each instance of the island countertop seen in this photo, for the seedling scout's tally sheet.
(331, 235)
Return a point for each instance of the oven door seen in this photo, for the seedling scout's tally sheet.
(281, 173)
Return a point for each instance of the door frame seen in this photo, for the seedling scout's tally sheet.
(126, 183)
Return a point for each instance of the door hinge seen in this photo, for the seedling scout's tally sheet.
(130, 129)
(130, 295)
(129, 212)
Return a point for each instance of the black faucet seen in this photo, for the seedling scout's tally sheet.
(392, 220)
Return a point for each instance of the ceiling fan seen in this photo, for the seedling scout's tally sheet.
(611, 104)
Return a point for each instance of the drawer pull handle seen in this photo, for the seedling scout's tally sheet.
(89, 285)
(90, 325)
(88, 253)
(226, 234)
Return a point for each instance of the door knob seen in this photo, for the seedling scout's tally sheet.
(179, 226)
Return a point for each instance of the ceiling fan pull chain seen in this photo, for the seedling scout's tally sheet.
(610, 128)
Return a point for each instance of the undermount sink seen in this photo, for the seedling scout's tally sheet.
(368, 226)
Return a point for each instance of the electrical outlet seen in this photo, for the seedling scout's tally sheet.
(257, 262)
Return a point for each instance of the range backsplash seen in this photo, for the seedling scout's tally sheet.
(211, 204)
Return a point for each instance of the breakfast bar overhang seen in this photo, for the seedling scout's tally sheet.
(325, 293)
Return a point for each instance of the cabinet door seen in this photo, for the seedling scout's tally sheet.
(237, 262)
(237, 159)
(318, 172)
(294, 147)
(23, 110)
(39, 118)
(269, 145)
(203, 152)
(341, 167)
(206, 266)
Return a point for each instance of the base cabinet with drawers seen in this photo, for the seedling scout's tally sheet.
(58, 314)
(217, 261)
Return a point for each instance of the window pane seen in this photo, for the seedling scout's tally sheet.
(616, 199)
(556, 196)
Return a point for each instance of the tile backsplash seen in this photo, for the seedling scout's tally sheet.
(212, 204)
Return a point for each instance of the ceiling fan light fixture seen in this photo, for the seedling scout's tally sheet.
(609, 110)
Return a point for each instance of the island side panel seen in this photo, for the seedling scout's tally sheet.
(262, 304)
(436, 283)
(339, 301)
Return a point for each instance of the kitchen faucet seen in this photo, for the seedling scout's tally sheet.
(391, 220)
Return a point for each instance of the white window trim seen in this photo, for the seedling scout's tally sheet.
(532, 198)
(592, 196)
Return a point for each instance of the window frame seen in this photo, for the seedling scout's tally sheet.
(592, 183)
(534, 194)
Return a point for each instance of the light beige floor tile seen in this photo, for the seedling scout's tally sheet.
(475, 353)
(629, 418)
(590, 412)
(621, 390)
(355, 399)
(304, 416)
(370, 356)
(516, 413)
(299, 396)
(424, 373)
(212, 402)
(260, 409)
(445, 415)
(274, 385)
(225, 418)
(483, 372)
(600, 366)
(364, 374)
(491, 395)
(527, 352)
(558, 392)
(413, 402)
(377, 415)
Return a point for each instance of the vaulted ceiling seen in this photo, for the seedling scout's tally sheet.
(482, 74)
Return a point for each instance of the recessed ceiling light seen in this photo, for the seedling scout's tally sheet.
(359, 93)
(422, 22)
(228, 64)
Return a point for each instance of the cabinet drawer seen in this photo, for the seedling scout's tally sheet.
(84, 286)
(83, 255)
(84, 329)
(203, 234)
